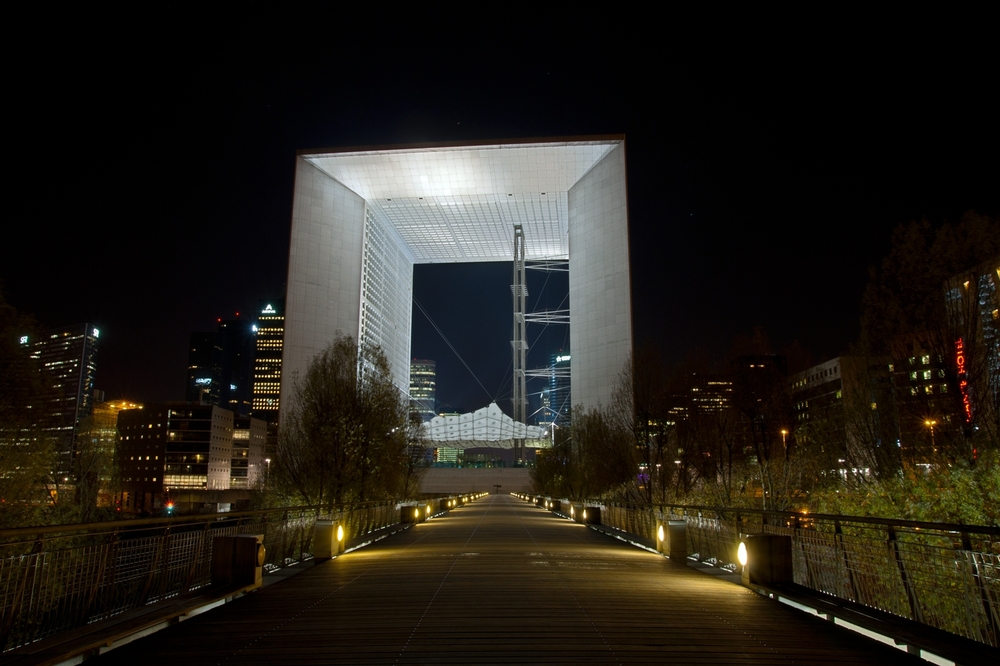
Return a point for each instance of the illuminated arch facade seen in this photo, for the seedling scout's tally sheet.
(362, 218)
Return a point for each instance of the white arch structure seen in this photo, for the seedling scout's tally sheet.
(361, 219)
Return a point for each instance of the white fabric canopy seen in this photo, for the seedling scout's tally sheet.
(486, 427)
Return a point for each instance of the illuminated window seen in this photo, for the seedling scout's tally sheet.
(944, 388)
(913, 375)
(925, 360)
(928, 389)
(927, 374)
(913, 359)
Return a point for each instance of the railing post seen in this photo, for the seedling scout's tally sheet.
(838, 544)
(95, 587)
(992, 621)
(153, 564)
(193, 567)
(911, 594)
(26, 582)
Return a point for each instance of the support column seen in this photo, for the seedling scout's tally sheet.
(519, 343)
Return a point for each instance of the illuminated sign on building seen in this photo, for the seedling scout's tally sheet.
(268, 310)
(963, 383)
(560, 359)
(203, 381)
(96, 333)
(24, 339)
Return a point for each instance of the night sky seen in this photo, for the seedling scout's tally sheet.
(153, 167)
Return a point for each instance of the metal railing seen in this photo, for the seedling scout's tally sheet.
(943, 575)
(55, 578)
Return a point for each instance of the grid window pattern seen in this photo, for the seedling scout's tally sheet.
(386, 295)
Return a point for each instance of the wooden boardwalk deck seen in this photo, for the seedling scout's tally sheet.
(501, 581)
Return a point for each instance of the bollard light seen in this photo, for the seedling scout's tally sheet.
(660, 535)
(766, 559)
(585, 514)
(340, 532)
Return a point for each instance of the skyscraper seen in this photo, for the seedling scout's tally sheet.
(559, 396)
(270, 336)
(67, 359)
(423, 388)
(220, 366)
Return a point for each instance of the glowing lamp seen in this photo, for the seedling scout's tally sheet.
(741, 554)
(660, 536)
(340, 532)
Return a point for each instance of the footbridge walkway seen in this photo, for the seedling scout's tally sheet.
(504, 579)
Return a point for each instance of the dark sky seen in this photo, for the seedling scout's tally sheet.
(767, 167)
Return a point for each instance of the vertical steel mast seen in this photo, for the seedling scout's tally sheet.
(519, 290)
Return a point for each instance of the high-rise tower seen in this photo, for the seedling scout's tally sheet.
(270, 337)
(423, 388)
(67, 359)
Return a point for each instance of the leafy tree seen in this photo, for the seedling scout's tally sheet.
(343, 435)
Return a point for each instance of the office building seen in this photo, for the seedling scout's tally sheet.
(972, 300)
(269, 335)
(362, 218)
(220, 366)
(423, 388)
(178, 446)
(248, 461)
(560, 395)
(204, 369)
(96, 439)
(67, 359)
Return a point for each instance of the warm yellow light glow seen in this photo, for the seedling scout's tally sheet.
(416, 513)
(572, 511)
(741, 554)
(340, 532)
(585, 514)
(659, 533)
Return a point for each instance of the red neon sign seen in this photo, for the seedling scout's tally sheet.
(963, 384)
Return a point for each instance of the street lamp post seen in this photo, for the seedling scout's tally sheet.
(930, 423)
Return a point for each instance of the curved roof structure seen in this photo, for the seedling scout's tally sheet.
(486, 427)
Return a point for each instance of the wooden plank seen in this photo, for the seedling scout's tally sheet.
(502, 581)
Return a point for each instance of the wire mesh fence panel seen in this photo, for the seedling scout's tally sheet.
(60, 577)
(944, 576)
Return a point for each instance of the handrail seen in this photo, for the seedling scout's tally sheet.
(57, 577)
(944, 575)
(800, 515)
